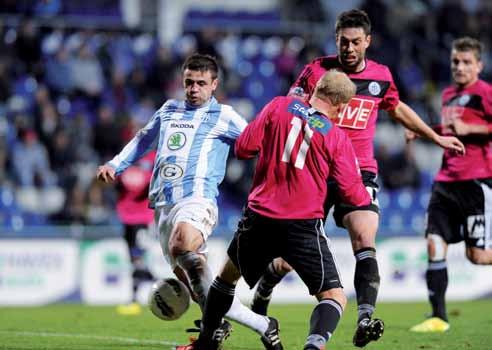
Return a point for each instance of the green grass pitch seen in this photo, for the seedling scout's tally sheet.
(77, 327)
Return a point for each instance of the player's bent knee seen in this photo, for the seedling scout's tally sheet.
(362, 235)
(336, 294)
(184, 238)
(479, 256)
(176, 250)
(230, 273)
(436, 247)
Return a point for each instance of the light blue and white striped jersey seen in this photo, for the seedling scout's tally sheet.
(192, 148)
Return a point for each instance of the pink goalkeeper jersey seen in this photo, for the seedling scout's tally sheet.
(375, 90)
(474, 106)
(298, 149)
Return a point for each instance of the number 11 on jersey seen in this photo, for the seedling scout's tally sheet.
(294, 132)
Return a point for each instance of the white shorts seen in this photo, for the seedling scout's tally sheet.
(202, 213)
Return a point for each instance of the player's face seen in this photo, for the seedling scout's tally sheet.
(199, 86)
(352, 44)
(465, 67)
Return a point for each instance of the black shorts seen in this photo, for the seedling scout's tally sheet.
(341, 209)
(460, 211)
(302, 243)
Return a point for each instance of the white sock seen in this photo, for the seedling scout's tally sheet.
(244, 316)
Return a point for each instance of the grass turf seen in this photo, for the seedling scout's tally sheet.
(76, 327)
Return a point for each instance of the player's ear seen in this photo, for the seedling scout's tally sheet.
(480, 66)
(368, 40)
(215, 83)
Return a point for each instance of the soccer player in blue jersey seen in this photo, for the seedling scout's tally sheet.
(192, 139)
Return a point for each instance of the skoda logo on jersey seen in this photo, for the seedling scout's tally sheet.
(374, 88)
(463, 100)
(176, 141)
(182, 126)
(171, 171)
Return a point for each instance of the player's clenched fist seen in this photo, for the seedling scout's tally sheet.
(106, 173)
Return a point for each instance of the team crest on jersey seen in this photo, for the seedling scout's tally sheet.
(463, 100)
(170, 171)
(176, 141)
(356, 113)
(374, 88)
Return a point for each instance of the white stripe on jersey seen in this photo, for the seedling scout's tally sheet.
(178, 187)
(202, 168)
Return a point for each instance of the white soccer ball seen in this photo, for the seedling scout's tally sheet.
(169, 299)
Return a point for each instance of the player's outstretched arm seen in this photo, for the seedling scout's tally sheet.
(407, 116)
(106, 173)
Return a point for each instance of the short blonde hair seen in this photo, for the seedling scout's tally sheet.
(335, 86)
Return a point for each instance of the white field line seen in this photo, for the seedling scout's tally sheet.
(89, 336)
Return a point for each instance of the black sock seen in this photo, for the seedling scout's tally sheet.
(437, 283)
(324, 321)
(219, 301)
(366, 281)
(268, 281)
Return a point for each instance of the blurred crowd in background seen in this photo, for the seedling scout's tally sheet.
(72, 96)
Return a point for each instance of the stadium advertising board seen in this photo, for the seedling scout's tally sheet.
(99, 272)
(403, 263)
(105, 272)
(36, 272)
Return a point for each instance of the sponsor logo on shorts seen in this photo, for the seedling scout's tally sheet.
(176, 141)
(171, 171)
(356, 113)
(476, 226)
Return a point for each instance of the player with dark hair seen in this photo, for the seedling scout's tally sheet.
(298, 147)
(192, 138)
(375, 91)
(459, 208)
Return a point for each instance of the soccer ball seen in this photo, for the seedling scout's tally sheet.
(169, 299)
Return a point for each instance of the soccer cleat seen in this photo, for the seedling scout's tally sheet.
(197, 324)
(260, 304)
(190, 346)
(220, 335)
(131, 309)
(367, 331)
(200, 344)
(195, 344)
(431, 325)
(271, 338)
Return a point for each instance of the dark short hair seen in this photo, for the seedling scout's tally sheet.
(202, 63)
(467, 43)
(354, 18)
